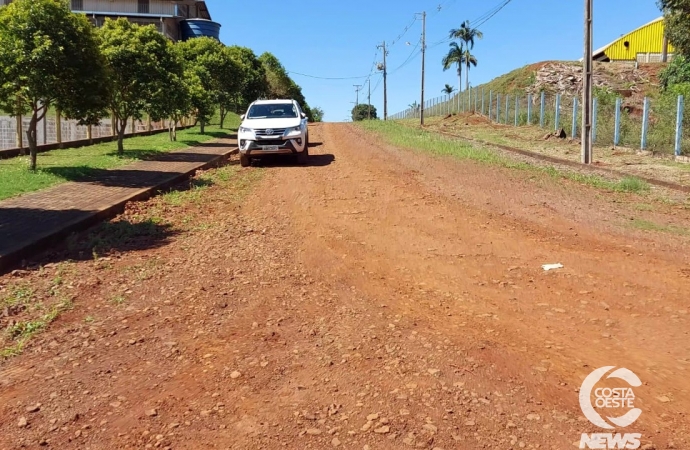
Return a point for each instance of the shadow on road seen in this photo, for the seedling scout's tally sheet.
(291, 161)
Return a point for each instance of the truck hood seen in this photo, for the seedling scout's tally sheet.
(272, 123)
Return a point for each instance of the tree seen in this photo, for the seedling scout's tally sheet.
(361, 112)
(173, 102)
(466, 34)
(281, 86)
(253, 84)
(677, 18)
(469, 60)
(454, 56)
(677, 72)
(49, 57)
(138, 61)
(317, 114)
(218, 72)
(448, 89)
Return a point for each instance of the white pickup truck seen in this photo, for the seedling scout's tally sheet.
(273, 127)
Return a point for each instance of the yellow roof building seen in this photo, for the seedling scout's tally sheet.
(643, 45)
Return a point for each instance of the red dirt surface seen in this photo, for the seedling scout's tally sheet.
(378, 299)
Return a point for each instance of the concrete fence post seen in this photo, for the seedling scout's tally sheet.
(679, 125)
(645, 124)
(517, 109)
(19, 136)
(542, 108)
(498, 108)
(558, 111)
(491, 102)
(58, 127)
(529, 109)
(507, 108)
(574, 130)
(617, 126)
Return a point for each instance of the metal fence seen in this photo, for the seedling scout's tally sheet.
(659, 125)
(46, 130)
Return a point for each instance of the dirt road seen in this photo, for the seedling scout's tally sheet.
(377, 299)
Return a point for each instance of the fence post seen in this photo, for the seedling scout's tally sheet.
(517, 108)
(498, 108)
(645, 124)
(595, 115)
(529, 109)
(507, 108)
(19, 137)
(491, 102)
(679, 125)
(483, 96)
(575, 105)
(543, 107)
(58, 127)
(558, 111)
(617, 128)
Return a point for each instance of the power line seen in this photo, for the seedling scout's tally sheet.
(327, 78)
(479, 21)
(409, 59)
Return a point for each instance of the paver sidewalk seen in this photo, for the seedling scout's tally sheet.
(31, 222)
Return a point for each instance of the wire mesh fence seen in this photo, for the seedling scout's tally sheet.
(70, 130)
(660, 124)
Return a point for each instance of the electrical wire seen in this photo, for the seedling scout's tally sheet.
(409, 59)
(327, 78)
(479, 21)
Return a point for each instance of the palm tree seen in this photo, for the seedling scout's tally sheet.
(448, 89)
(454, 56)
(469, 59)
(466, 34)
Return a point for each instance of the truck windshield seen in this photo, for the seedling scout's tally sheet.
(275, 110)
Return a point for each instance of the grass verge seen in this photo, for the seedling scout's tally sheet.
(59, 166)
(416, 139)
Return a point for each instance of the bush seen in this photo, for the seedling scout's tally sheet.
(677, 72)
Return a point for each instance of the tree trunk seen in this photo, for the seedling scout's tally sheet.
(467, 77)
(203, 126)
(121, 136)
(174, 130)
(223, 113)
(459, 78)
(31, 137)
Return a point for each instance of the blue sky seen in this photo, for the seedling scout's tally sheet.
(332, 38)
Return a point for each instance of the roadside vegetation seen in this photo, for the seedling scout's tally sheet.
(59, 166)
(428, 141)
(123, 71)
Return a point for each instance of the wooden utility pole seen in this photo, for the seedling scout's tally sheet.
(357, 87)
(369, 98)
(421, 106)
(587, 88)
(385, 85)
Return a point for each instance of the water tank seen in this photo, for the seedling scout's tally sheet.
(193, 28)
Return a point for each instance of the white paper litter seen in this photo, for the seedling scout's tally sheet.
(548, 267)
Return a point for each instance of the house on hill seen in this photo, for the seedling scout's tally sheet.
(644, 45)
(176, 19)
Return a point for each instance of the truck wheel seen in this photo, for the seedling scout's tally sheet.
(244, 160)
(303, 157)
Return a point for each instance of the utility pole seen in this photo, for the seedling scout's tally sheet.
(385, 86)
(357, 87)
(369, 99)
(421, 106)
(587, 88)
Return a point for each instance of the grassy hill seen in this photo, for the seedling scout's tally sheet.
(565, 77)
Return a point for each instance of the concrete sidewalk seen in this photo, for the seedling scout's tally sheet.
(32, 222)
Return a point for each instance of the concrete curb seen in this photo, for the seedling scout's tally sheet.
(16, 256)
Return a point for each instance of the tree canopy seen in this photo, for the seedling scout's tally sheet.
(49, 57)
(280, 85)
(677, 18)
(361, 112)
